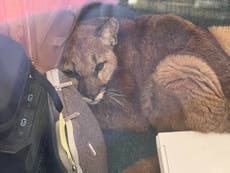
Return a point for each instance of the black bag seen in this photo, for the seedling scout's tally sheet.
(23, 109)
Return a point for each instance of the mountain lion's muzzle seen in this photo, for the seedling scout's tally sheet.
(91, 89)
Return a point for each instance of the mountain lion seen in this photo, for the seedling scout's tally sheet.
(154, 70)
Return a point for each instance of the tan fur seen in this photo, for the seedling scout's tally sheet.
(89, 50)
(159, 70)
(222, 34)
(86, 57)
(197, 89)
(142, 47)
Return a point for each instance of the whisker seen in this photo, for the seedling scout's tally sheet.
(116, 94)
(113, 90)
(115, 98)
(119, 102)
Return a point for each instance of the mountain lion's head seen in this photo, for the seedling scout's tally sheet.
(89, 57)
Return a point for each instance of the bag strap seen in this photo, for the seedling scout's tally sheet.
(71, 142)
(48, 86)
(67, 146)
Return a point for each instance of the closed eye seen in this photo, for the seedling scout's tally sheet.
(99, 67)
(77, 75)
(73, 74)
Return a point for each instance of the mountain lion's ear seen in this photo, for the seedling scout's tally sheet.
(108, 32)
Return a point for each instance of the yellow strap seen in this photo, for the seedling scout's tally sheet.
(72, 145)
(63, 137)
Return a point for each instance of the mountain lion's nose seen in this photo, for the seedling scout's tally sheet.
(92, 97)
(89, 89)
